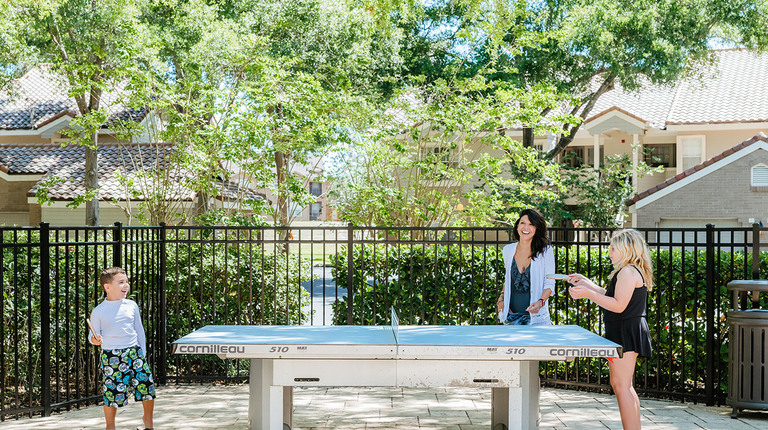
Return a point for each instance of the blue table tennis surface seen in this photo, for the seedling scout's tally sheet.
(497, 335)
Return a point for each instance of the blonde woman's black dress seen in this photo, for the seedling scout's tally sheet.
(629, 328)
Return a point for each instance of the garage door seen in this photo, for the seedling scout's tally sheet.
(699, 237)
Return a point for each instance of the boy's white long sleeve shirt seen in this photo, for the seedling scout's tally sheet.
(119, 324)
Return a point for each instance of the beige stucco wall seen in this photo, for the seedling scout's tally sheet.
(31, 139)
(58, 216)
(719, 140)
(21, 139)
(14, 209)
(716, 141)
(723, 194)
(13, 195)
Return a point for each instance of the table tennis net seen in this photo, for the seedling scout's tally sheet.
(394, 323)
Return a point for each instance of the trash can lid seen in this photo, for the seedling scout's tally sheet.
(749, 314)
(748, 285)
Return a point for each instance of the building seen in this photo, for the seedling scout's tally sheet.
(34, 155)
(687, 128)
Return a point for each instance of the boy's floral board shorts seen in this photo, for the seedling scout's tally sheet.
(126, 370)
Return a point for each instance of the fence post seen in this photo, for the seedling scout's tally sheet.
(709, 381)
(350, 274)
(45, 317)
(162, 368)
(117, 245)
(755, 264)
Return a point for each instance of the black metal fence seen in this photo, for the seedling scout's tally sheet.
(186, 277)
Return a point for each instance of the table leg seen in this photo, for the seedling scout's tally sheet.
(288, 407)
(517, 407)
(265, 406)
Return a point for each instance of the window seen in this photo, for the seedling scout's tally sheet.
(432, 156)
(660, 155)
(315, 211)
(579, 156)
(294, 210)
(692, 151)
(441, 154)
(316, 188)
(759, 177)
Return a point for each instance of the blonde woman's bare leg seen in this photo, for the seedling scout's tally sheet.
(622, 370)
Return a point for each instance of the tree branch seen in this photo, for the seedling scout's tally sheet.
(590, 102)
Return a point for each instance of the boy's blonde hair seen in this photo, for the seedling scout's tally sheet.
(631, 246)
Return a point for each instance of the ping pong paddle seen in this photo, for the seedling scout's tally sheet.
(91, 328)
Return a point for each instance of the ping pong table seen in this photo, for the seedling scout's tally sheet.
(504, 358)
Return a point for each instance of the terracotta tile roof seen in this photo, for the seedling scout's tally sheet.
(717, 95)
(41, 96)
(67, 164)
(760, 137)
(33, 159)
(650, 104)
(733, 89)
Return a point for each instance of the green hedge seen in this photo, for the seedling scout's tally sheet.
(217, 283)
(426, 284)
(206, 283)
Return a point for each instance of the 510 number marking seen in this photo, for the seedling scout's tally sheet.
(278, 349)
(516, 351)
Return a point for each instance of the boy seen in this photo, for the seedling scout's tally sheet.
(118, 329)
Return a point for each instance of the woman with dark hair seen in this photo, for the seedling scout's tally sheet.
(527, 262)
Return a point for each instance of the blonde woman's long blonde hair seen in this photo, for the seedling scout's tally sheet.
(631, 246)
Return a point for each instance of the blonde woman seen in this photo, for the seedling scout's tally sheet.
(624, 307)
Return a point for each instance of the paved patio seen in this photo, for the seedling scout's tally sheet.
(226, 407)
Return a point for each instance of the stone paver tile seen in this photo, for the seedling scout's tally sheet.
(327, 403)
(479, 417)
(369, 403)
(399, 420)
(433, 420)
(611, 424)
(448, 413)
(413, 403)
(457, 403)
(428, 426)
(406, 410)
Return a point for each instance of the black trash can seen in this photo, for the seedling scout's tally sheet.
(747, 348)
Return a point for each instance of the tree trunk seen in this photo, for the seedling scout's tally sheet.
(588, 103)
(92, 182)
(282, 201)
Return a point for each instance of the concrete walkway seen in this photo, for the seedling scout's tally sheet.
(226, 407)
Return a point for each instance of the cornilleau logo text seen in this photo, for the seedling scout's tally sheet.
(211, 349)
(581, 352)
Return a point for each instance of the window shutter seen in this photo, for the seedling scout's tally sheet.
(760, 176)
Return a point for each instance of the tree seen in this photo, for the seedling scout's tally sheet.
(446, 169)
(93, 45)
(255, 88)
(582, 48)
(333, 54)
(591, 46)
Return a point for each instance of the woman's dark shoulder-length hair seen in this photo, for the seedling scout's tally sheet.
(541, 237)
